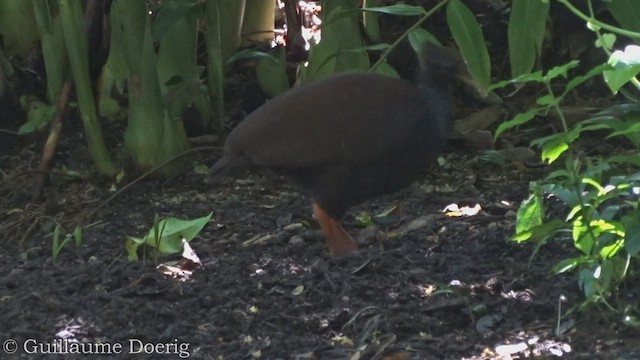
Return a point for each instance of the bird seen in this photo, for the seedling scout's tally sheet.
(349, 137)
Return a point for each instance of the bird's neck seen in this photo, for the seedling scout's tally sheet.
(436, 97)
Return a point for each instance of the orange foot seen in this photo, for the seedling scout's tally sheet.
(336, 238)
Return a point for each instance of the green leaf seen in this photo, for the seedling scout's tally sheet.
(364, 219)
(541, 232)
(251, 54)
(470, 40)
(170, 12)
(418, 39)
(606, 41)
(555, 145)
(166, 236)
(578, 80)
(583, 240)
(631, 224)
(77, 235)
(530, 213)
(546, 100)
(587, 282)
(385, 69)
(532, 77)
(493, 157)
(398, 9)
(561, 70)
(609, 251)
(39, 115)
(626, 12)
(632, 159)
(272, 76)
(565, 265)
(519, 119)
(626, 65)
(525, 33)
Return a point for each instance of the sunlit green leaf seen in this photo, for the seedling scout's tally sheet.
(530, 213)
(582, 238)
(166, 235)
(626, 65)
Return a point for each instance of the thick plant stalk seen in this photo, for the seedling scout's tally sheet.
(151, 136)
(340, 36)
(76, 40)
(257, 25)
(56, 61)
(113, 78)
(224, 22)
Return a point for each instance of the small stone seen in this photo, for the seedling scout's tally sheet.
(296, 240)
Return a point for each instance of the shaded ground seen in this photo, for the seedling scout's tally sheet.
(454, 288)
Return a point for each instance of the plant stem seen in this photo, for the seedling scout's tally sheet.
(424, 17)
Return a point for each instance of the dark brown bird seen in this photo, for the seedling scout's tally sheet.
(349, 137)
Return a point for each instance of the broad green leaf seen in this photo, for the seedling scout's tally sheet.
(530, 213)
(525, 33)
(606, 41)
(587, 282)
(470, 40)
(167, 235)
(583, 240)
(626, 12)
(272, 76)
(170, 12)
(555, 145)
(611, 250)
(626, 65)
(632, 232)
(519, 119)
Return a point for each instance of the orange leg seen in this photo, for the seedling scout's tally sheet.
(336, 238)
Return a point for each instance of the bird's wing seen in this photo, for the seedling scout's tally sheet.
(352, 118)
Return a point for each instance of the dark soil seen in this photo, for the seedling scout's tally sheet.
(453, 288)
